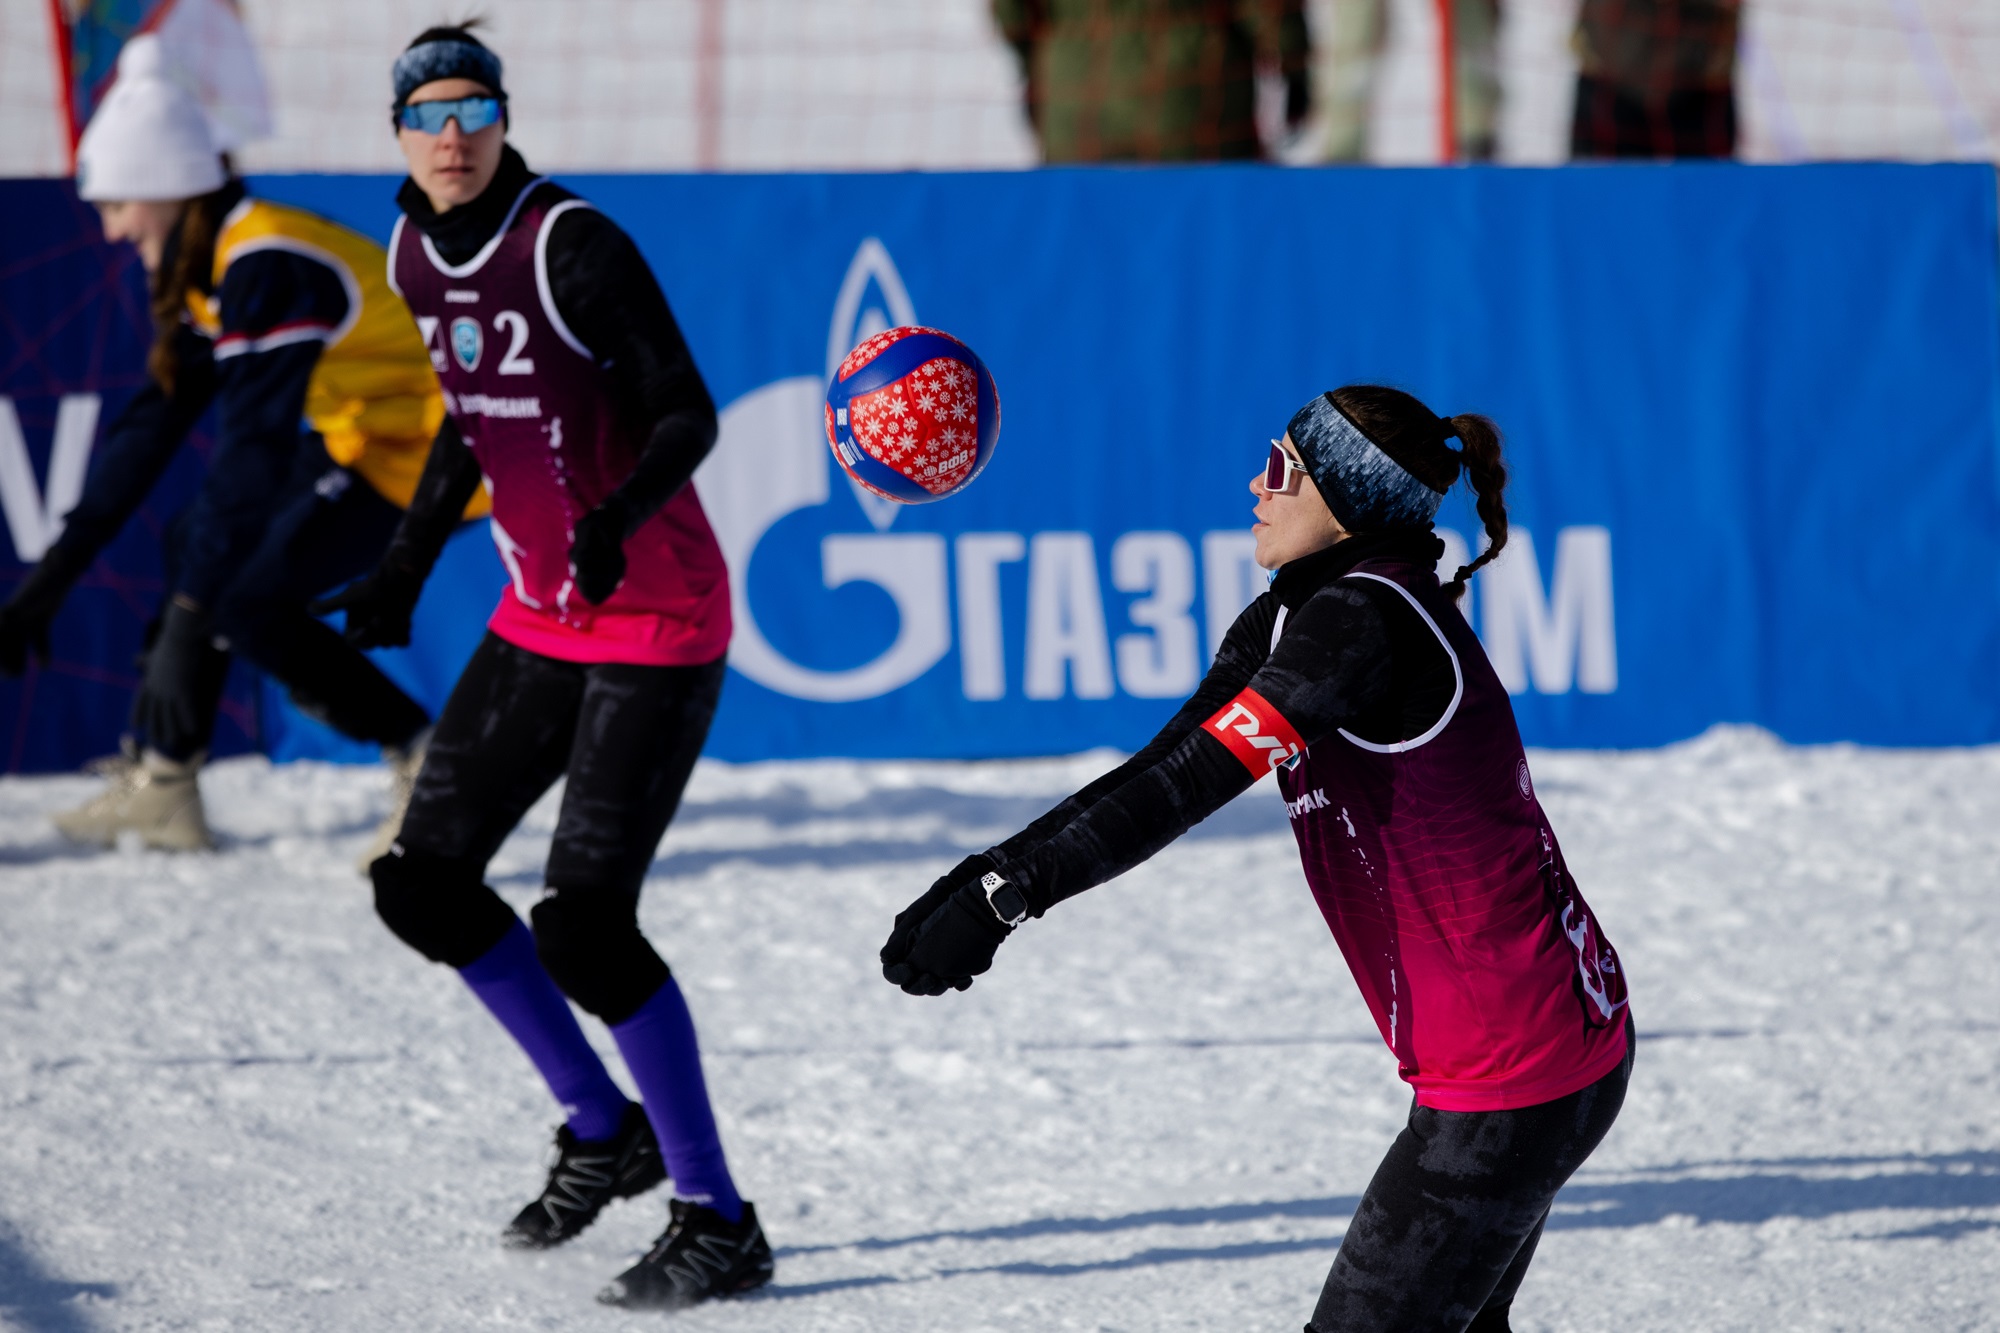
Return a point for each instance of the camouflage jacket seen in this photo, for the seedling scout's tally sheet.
(1652, 47)
(1150, 80)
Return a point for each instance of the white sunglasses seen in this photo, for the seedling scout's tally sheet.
(1282, 471)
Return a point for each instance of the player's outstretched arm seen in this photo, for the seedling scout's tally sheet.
(1333, 665)
(380, 604)
(1243, 650)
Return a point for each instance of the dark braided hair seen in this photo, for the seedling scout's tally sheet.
(1406, 429)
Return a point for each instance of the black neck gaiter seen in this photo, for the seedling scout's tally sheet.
(458, 234)
(1300, 579)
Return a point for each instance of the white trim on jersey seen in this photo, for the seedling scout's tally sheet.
(474, 264)
(236, 214)
(1457, 674)
(285, 335)
(309, 251)
(542, 276)
(395, 244)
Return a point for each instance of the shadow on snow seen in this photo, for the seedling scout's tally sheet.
(1754, 1192)
(32, 1299)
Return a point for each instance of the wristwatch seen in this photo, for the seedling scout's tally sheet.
(1006, 900)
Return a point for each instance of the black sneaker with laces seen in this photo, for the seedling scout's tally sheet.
(701, 1255)
(585, 1177)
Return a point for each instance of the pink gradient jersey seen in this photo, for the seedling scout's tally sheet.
(534, 407)
(1435, 867)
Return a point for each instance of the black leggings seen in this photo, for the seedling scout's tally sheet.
(1450, 1222)
(626, 737)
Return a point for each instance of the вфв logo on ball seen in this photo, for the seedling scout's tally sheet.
(912, 414)
(466, 341)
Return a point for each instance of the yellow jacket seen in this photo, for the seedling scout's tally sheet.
(373, 396)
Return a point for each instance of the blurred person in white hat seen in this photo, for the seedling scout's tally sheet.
(271, 315)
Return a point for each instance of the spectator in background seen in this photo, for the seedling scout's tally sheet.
(1155, 80)
(1353, 45)
(1656, 78)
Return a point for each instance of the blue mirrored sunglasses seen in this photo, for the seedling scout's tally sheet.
(473, 114)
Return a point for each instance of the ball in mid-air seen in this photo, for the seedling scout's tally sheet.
(912, 414)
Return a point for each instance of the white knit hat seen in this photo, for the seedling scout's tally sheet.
(150, 138)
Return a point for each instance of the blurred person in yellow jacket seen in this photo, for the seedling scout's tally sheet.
(275, 317)
(1155, 80)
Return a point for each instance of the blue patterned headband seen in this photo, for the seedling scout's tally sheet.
(1364, 487)
(445, 58)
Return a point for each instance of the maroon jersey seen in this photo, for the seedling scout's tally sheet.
(535, 408)
(1435, 867)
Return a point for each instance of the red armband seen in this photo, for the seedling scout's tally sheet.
(1256, 733)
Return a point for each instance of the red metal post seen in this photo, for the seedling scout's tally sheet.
(708, 85)
(65, 79)
(1447, 85)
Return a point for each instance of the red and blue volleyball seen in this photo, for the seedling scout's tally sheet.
(912, 414)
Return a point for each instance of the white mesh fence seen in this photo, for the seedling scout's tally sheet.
(750, 85)
(668, 85)
(1870, 79)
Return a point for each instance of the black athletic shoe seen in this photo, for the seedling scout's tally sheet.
(699, 1256)
(585, 1177)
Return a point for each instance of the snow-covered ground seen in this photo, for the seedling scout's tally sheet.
(233, 1101)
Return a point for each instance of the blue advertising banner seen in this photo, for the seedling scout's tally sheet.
(1751, 415)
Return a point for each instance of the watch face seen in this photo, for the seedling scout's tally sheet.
(1009, 903)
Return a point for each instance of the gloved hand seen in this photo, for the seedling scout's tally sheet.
(24, 620)
(955, 943)
(597, 555)
(911, 919)
(171, 712)
(379, 604)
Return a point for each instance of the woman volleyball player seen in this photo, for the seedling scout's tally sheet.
(270, 314)
(1395, 746)
(574, 394)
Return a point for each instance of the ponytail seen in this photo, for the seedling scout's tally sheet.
(187, 267)
(1486, 476)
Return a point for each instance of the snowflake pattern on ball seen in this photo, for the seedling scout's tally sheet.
(870, 348)
(924, 425)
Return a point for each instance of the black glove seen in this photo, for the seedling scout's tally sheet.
(597, 556)
(378, 605)
(955, 943)
(174, 710)
(911, 919)
(24, 620)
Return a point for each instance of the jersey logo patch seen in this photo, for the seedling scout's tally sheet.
(467, 341)
(1256, 733)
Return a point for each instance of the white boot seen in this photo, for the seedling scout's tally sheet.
(156, 797)
(404, 763)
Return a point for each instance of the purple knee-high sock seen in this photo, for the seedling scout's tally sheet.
(659, 1047)
(511, 982)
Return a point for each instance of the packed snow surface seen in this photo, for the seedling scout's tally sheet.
(234, 1101)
